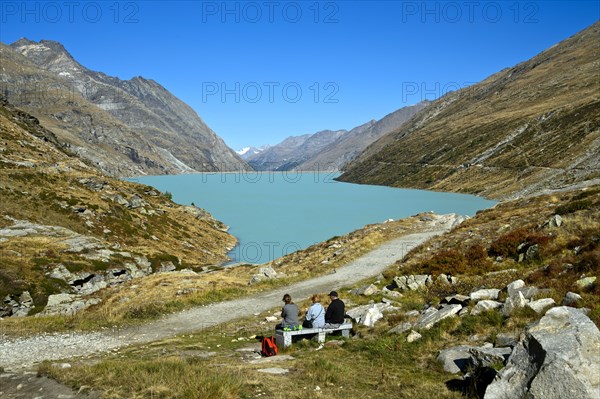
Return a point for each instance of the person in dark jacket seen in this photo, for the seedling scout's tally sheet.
(334, 316)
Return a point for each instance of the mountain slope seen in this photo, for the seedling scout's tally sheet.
(58, 212)
(527, 128)
(293, 150)
(350, 145)
(164, 126)
(329, 150)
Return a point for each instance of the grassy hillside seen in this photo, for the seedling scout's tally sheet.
(57, 210)
(527, 128)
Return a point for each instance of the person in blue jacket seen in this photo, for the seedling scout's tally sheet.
(315, 313)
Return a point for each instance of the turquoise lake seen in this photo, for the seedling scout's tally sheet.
(276, 213)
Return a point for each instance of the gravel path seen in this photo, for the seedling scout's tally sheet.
(25, 352)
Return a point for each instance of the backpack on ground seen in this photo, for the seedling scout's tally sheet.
(269, 348)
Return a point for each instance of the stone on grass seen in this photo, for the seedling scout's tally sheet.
(413, 336)
(400, 328)
(541, 304)
(274, 370)
(485, 305)
(413, 282)
(513, 302)
(456, 300)
(368, 315)
(479, 295)
(585, 282)
(513, 287)
(429, 319)
(571, 298)
(367, 290)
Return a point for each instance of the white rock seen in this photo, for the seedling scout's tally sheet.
(541, 304)
(413, 336)
(479, 295)
(485, 305)
(514, 302)
(514, 286)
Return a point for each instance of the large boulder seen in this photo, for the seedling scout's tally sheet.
(67, 304)
(368, 315)
(558, 357)
(463, 357)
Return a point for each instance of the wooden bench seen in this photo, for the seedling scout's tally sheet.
(283, 339)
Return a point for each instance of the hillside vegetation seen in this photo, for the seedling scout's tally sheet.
(525, 129)
(56, 210)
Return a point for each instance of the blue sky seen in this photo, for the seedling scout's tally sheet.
(257, 72)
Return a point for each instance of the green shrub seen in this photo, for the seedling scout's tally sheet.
(445, 261)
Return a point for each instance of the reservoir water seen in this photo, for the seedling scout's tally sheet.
(276, 213)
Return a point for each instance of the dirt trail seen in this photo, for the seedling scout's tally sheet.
(25, 352)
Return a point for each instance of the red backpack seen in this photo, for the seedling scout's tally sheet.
(269, 348)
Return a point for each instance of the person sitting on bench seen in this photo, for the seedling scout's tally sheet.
(289, 312)
(315, 316)
(334, 317)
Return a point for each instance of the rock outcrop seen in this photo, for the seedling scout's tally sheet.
(558, 357)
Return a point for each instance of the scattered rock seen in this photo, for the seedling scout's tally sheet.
(532, 252)
(368, 290)
(541, 304)
(485, 305)
(274, 370)
(413, 336)
(401, 328)
(429, 319)
(554, 221)
(513, 302)
(135, 202)
(392, 294)
(557, 358)
(166, 267)
(488, 356)
(505, 339)
(67, 304)
(413, 282)
(445, 279)
(513, 287)
(264, 273)
(456, 300)
(463, 357)
(571, 298)
(585, 282)
(455, 359)
(529, 292)
(368, 315)
(479, 295)
(272, 359)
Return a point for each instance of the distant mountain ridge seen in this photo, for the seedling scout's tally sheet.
(126, 127)
(523, 130)
(329, 150)
(292, 151)
(248, 152)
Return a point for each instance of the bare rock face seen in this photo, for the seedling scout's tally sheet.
(558, 357)
(125, 127)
